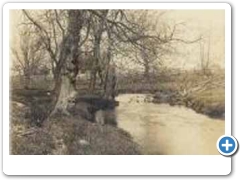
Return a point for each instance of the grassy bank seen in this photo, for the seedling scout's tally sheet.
(206, 102)
(204, 94)
(78, 134)
(62, 134)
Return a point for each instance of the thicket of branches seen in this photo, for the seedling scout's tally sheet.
(79, 40)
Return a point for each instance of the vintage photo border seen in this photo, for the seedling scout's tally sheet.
(114, 164)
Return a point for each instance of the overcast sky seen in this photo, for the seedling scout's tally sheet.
(209, 23)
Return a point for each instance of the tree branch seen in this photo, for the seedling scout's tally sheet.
(58, 22)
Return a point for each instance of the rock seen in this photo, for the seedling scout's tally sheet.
(162, 97)
(100, 117)
(83, 142)
(18, 104)
(148, 98)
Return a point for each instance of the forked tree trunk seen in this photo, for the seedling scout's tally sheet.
(67, 69)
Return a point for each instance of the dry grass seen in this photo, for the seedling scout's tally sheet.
(209, 100)
(65, 135)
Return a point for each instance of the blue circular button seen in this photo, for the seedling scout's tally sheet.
(227, 145)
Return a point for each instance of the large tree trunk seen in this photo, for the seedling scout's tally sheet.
(96, 61)
(67, 69)
(96, 69)
(66, 93)
(96, 55)
(108, 71)
(110, 83)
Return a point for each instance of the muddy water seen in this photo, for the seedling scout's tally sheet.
(165, 129)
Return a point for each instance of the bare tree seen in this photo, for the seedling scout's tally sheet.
(98, 25)
(65, 54)
(66, 71)
(50, 28)
(28, 55)
(67, 32)
(152, 40)
(204, 53)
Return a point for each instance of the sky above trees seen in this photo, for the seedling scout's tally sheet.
(207, 23)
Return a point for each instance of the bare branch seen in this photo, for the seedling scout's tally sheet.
(87, 34)
(15, 53)
(35, 23)
(187, 41)
(58, 22)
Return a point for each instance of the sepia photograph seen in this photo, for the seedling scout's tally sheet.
(116, 81)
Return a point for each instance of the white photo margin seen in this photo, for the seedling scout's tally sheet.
(115, 164)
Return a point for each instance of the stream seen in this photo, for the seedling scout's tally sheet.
(167, 130)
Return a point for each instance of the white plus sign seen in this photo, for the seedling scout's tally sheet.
(227, 145)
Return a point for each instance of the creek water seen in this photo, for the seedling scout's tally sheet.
(167, 130)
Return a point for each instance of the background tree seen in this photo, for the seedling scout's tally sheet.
(28, 55)
(204, 53)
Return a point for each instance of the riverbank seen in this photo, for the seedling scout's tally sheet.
(205, 103)
(63, 135)
(203, 94)
(161, 129)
